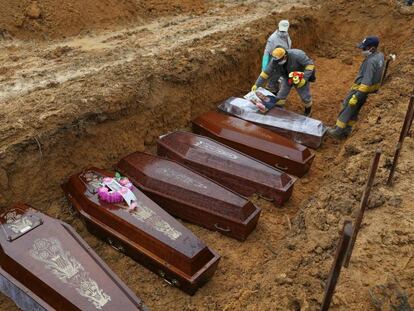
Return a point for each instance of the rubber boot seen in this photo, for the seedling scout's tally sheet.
(348, 131)
(308, 112)
(336, 132)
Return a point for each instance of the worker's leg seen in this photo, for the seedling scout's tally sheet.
(354, 118)
(350, 124)
(283, 93)
(348, 112)
(306, 96)
(340, 130)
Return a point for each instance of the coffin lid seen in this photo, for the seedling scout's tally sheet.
(148, 216)
(205, 151)
(244, 132)
(172, 179)
(48, 257)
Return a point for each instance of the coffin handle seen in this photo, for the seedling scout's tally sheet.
(266, 198)
(119, 248)
(281, 167)
(221, 229)
(173, 282)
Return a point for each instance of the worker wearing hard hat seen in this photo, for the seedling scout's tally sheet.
(367, 81)
(280, 38)
(295, 69)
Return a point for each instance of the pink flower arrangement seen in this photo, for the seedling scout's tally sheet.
(109, 196)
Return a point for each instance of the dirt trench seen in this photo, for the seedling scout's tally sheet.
(147, 99)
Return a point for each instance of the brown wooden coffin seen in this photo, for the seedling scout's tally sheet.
(230, 168)
(255, 141)
(190, 196)
(147, 234)
(45, 265)
(301, 129)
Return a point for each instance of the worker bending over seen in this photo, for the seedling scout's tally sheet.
(295, 69)
(280, 38)
(367, 81)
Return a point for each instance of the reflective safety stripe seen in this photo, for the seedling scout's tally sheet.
(308, 105)
(340, 124)
(351, 123)
(281, 102)
(366, 88)
(310, 67)
(264, 75)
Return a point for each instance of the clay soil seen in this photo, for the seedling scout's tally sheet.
(85, 82)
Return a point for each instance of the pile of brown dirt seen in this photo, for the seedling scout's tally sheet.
(91, 100)
(29, 19)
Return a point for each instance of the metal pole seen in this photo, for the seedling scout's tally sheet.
(404, 132)
(363, 204)
(337, 265)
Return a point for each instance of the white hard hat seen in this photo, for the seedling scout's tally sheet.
(283, 25)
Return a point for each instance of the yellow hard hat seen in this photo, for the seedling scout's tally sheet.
(278, 53)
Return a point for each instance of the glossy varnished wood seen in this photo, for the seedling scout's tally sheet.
(227, 166)
(190, 196)
(148, 234)
(255, 141)
(49, 262)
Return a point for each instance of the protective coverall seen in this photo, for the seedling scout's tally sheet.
(276, 39)
(367, 81)
(297, 60)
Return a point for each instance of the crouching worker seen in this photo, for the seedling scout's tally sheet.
(295, 69)
(367, 81)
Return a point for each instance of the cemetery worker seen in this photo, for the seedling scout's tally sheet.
(367, 81)
(295, 69)
(280, 38)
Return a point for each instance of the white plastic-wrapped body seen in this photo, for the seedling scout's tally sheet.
(301, 129)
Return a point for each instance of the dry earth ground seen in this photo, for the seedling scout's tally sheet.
(134, 73)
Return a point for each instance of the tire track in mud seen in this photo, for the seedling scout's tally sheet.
(86, 56)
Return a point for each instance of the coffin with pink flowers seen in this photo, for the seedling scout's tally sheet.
(129, 221)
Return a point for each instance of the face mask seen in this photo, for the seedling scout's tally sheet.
(366, 53)
(282, 62)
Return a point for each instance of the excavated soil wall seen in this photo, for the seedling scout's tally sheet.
(149, 103)
(285, 262)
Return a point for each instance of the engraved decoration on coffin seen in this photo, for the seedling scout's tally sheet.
(146, 215)
(17, 223)
(68, 270)
(140, 212)
(180, 177)
(215, 149)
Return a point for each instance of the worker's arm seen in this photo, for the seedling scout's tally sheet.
(366, 86)
(264, 75)
(265, 60)
(270, 46)
(309, 66)
(367, 83)
(289, 42)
